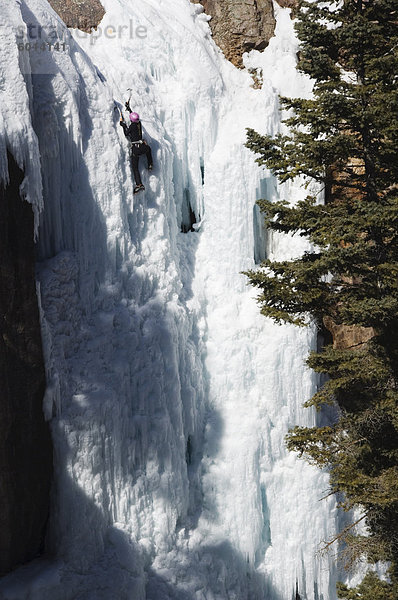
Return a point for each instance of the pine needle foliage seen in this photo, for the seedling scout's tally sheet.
(345, 138)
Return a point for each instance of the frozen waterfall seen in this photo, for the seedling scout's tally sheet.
(169, 395)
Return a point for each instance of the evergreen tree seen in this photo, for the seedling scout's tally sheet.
(371, 588)
(345, 138)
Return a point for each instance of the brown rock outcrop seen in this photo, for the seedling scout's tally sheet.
(25, 443)
(80, 14)
(287, 3)
(348, 336)
(240, 25)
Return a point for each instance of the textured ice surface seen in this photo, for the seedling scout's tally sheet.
(169, 395)
(17, 134)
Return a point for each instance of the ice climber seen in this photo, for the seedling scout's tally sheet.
(133, 133)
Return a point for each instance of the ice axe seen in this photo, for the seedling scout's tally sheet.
(127, 104)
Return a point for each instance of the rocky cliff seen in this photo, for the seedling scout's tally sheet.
(81, 14)
(287, 3)
(25, 445)
(348, 336)
(240, 25)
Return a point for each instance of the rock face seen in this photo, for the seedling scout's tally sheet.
(25, 443)
(81, 14)
(287, 3)
(348, 336)
(240, 25)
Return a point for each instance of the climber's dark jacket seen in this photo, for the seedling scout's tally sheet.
(133, 132)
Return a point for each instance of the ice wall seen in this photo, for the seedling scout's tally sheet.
(16, 131)
(168, 394)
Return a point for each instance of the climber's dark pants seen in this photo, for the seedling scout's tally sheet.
(138, 150)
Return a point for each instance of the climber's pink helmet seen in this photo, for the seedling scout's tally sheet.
(134, 117)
